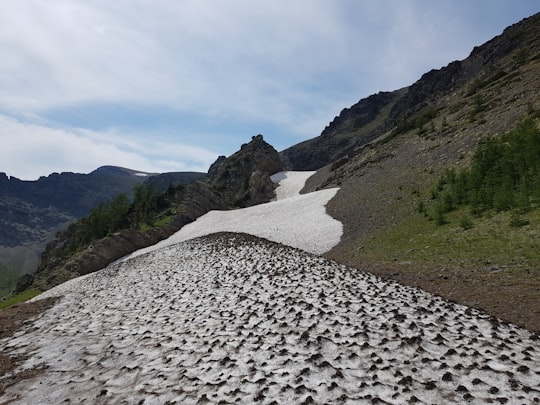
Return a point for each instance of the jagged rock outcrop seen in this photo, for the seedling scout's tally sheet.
(243, 179)
(354, 126)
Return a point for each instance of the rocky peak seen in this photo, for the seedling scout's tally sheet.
(499, 55)
(360, 114)
(243, 179)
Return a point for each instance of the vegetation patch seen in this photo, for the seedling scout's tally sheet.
(490, 242)
(15, 299)
(8, 279)
(504, 176)
(486, 215)
(144, 212)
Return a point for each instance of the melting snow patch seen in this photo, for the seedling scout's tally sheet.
(297, 220)
(290, 183)
(233, 319)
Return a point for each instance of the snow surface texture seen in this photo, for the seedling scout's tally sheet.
(234, 319)
(294, 219)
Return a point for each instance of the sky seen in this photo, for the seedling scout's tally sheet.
(167, 85)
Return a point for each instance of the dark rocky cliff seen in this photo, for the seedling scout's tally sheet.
(354, 126)
(379, 114)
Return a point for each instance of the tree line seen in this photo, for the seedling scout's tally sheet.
(504, 175)
(119, 213)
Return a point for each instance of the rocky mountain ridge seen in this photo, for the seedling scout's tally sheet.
(239, 180)
(437, 126)
(389, 113)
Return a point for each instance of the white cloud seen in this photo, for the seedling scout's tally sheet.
(48, 150)
(203, 52)
(291, 65)
(238, 57)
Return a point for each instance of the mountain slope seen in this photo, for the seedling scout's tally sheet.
(383, 184)
(31, 212)
(232, 318)
(498, 75)
(358, 125)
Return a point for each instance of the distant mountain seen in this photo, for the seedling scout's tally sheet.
(32, 211)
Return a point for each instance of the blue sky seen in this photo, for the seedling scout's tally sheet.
(168, 85)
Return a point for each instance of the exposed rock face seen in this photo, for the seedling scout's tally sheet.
(378, 114)
(54, 269)
(260, 188)
(354, 126)
(243, 179)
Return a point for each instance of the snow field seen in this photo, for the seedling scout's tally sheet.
(290, 183)
(293, 219)
(231, 318)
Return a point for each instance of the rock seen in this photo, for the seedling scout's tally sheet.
(234, 180)
(261, 188)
